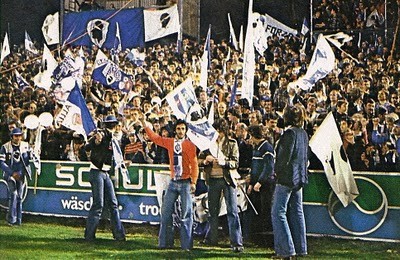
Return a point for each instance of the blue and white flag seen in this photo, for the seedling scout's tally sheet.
(322, 62)
(22, 83)
(109, 74)
(65, 69)
(136, 57)
(182, 98)
(29, 46)
(160, 23)
(100, 28)
(75, 115)
(51, 29)
(5, 49)
(185, 106)
(249, 63)
(304, 27)
(327, 145)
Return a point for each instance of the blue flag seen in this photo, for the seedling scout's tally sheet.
(109, 74)
(65, 69)
(100, 28)
(22, 83)
(75, 115)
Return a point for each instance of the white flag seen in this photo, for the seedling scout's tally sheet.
(241, 38)
(160, 23)
(327, 145)
(249, 63)
(44, 78)
(5, 50)
(232, 34)
(51, 29)
(29, 46)
(205, 61)
(322, 62)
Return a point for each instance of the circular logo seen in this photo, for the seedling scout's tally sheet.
(365, 214)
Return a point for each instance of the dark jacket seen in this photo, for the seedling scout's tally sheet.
(102, 153)
(262, 167)
(292, 158)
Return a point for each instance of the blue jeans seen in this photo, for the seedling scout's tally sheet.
(103, 191)
(288, 222)
(15, 189)
(166, 235)
(216, 186)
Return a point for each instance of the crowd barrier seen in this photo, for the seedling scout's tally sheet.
(63, 190)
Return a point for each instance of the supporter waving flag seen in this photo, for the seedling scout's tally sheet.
(109, 74)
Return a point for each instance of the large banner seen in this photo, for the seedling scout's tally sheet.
(100, 28)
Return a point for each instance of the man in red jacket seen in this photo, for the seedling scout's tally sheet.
(184, 173)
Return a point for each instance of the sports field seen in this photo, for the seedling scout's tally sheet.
(61, 238)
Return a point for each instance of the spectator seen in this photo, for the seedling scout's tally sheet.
(184, 174)
(14, 162)
(218, 162)
(291, 175)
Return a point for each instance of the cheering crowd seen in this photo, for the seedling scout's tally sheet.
(362, 92)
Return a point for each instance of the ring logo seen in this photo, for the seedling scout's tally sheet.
(365, 214)
(75, 204)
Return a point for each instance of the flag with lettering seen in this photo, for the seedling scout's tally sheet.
(75, 115)
(327, 145)
(110, 75)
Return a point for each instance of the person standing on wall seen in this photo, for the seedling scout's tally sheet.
(291, 161)
(184, 174)
(14, 161)
(101, 161)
